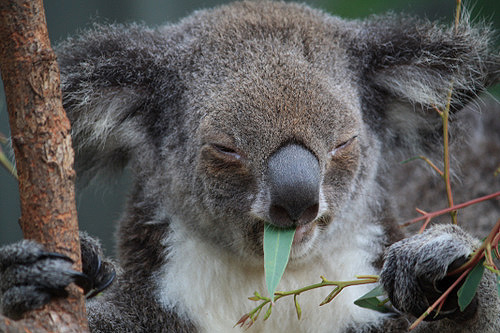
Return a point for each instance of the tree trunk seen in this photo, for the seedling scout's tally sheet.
(44, 155)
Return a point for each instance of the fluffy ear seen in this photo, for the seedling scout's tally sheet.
(110, 75)
(409, 66)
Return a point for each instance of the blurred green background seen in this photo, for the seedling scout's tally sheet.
(100, 207)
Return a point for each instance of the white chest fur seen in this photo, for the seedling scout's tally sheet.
(214, 287)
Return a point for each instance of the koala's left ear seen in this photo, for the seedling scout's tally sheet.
(119, 84)
(409, 66)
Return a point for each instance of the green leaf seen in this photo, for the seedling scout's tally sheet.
(277, 245)
(268, 312)
(468, 290)
(331, 296)
(410, 159)
(297, 307)
(370, 300)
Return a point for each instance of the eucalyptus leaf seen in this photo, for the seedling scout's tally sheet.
(331, 296)
(468, 290)
(370, 300)
(268, 312)
(297, 307)
(277, 245)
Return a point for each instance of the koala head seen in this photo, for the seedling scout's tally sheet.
(263, 112)
(279, 140)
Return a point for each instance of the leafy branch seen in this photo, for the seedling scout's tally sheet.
(445, 114)
(473, 269)
(249, 318)
(482, 258)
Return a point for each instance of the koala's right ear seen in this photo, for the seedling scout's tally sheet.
(408, 66)
(110, 75)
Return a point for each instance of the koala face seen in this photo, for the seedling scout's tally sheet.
(270, 131)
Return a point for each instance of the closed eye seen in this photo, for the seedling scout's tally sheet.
(342, 146)
(227, 151)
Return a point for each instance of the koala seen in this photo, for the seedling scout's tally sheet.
(253, 113)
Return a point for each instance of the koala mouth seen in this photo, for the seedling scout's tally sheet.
(305, 232)
(302, 241)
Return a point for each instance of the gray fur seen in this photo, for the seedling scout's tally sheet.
(416, 257)
(29, 276)
(199, 109)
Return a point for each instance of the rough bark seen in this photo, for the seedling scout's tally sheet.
(44, 155)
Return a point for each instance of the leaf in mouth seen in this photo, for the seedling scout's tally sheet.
(277, 246)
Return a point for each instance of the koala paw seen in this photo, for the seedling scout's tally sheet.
(31, 276)
(414, 271)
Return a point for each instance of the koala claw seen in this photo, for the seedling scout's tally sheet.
(54, 255)
(82, 280)
(31, 276)
(100, 273)
(102, 281)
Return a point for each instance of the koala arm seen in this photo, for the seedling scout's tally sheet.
(414, 275)
(30, 277)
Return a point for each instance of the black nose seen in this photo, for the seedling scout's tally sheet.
(294, 177)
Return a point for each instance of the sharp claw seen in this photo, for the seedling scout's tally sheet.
(54, 255)
(101, 287)
(98, 268)
(111, 278)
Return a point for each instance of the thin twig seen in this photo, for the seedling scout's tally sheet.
(480, 252)
(457, 15)
(428, 161)
(446, 155)
(447, 210)
(437, 110)
(426, 223)
(6, 163)
(421, 211)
